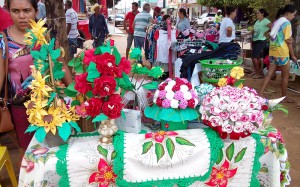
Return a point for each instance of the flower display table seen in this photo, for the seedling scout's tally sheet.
(195, 157)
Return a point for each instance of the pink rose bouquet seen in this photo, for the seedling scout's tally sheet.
(232, 111)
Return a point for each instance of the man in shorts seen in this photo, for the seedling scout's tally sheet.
(128, 25)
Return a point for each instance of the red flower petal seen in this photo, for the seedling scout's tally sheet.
(211, 182)
(159, 138)
(230, 173)
(148, 135)
(225, 165)
(102, 164)
(171, 133)
(96, 177)
(223, 182)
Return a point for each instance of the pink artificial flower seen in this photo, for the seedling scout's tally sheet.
(244, 118)
(179, 95)
(162, 94)
(40, 151)
(234, 117)
(227, 128)
(166, 103)
(160, 136)
(238, 127)
(253, 117)
(215, 121)
(183, 104)
(81, 111)
(232, 107)
(215, 110)
(27, 165)
(224, 115)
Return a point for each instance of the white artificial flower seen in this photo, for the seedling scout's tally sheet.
(172, 83)
(174, 103)
(170, 95)
(184, 88)
(168, 88)
(187, 95)
(156, 94)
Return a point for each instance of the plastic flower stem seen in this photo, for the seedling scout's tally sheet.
(133, 73)
(52, 77)
(141, 84)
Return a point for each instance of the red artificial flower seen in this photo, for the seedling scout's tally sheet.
(89, 56)
(106, 64)
(176, 87)
(219, 177)
(162, 86)
(104, 176)
(264, 107)
(191, 103)
(125, 65)
(160, 136)
(179, 81)
(115, 98)
(118, 72)
(230, 80)
(159, 102)
(112, 42)
(112, 109)
(93, 107)
(37, 47)
(189, 85)
(104, 85)
(81, 84)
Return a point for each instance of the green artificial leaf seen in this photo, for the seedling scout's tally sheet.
(147, 146)
(75, 126)
(237, 83)
(72, 62)
(151, 85)
(284, 110)
(135, 54)
(51, 44)
(55, 54)
(52, 96)
(58, 74)
(143, 71)
(79, 68)
(240, 155)
(105, 49)
(123, 115)
(70, 90)
(36, 54)
(220, 156)
(117, 55)
(64, 131)
(113, 155)
(100, 117)
(170, 147)
(89, 94)
(31, 128)
(102, 151)
(40, 134)
(30, 157)
(156, 72)
(75, 103)
(183, 141)
(92, 72)
(44, 52)
(159, 151)
(230, 151)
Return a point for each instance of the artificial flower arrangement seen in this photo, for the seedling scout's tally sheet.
(174, 102)
(202, 90)
(101, 80)
(234, 112)
(234, 79)
(46, 108)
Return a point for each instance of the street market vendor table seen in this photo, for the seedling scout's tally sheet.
(196, 161)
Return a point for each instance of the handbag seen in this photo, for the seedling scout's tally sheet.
(6, 124)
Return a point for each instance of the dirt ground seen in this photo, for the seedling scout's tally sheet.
(288, 125)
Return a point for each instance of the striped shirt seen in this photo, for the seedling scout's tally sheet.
(141, 22)
(71, 17)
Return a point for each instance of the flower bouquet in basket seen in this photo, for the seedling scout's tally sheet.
(47, 109)
(101, 78)
(174, 104)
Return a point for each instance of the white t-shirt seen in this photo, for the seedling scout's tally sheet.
(71, 17)
(226, 22)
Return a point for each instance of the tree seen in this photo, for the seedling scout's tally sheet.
(57, 22)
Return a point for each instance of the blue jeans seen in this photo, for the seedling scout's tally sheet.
(139, 42)
(72, 46)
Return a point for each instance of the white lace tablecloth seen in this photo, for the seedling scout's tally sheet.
(72, 164)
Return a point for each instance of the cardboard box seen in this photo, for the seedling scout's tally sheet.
(132, 123)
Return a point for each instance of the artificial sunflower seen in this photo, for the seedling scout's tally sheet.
(35, 109)
(36, 33)
(38, 85)
(237, 72)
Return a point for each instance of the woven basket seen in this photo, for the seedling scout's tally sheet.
(86, 125)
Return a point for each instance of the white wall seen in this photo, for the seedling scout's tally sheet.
(1, 3)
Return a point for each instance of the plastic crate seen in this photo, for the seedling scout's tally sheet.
(211, 72)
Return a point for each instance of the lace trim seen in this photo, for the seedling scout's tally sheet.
(61, 166)
(259, 151)
(118, 166)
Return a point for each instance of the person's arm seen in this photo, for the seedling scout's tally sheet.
(91, 26)
(266, 34)
(289, 41)
(188, 25)
(125, 23)
(69, 21)
(228, 31)
(105, 26)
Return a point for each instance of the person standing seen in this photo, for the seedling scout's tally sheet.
(183, 22)
(128, 25)
(218, 19)
(5, 19)
(97, 26)
(259, 41)
(227, 28)
(41, 10)
(157, 15)
(140, 25)
(281, 49)
(72, 31)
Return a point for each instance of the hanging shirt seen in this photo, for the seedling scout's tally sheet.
(260, 28)
(98, 26)
(163, 45)
(72, 18)
(226, 22)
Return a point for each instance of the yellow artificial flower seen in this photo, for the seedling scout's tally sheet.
(237, 72)
(69, 113)
(39, 31)
(222, 82)
(52, 120)
(38, 85)
(240, 85)
(35, 109)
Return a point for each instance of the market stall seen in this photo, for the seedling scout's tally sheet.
(208, 136)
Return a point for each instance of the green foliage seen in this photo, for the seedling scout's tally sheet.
(102, 150)
(230, 151)
(147, 146)
(159, 151)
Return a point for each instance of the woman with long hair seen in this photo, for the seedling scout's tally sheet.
(281, 49)
(19, 62)
(183, 22)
